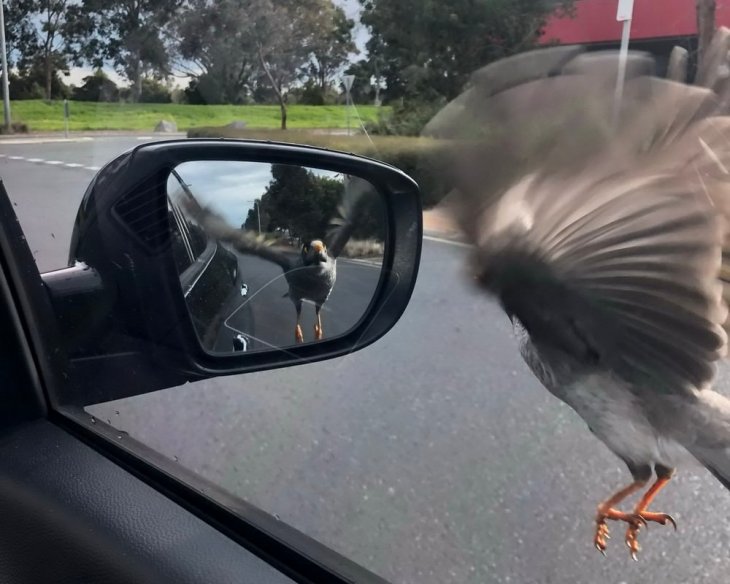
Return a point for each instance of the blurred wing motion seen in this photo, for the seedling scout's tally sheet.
(606, 238)
(242, 241)
(342, 225)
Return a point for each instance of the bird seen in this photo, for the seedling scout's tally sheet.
(599, 222)
(312, 273)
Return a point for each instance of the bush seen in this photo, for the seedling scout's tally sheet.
(417, 157)
(154, 92)
(363, 248)
(15, 128)
(405, 119)
(30, 84)
(313, 94)
(97, 87)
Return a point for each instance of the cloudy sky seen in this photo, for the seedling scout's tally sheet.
(228, 187)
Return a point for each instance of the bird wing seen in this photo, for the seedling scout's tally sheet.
(242, 241)
(344, 223)
(604, 240)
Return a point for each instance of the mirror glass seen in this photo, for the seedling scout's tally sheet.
(273, 255)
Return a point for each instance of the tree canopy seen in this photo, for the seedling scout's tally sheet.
(263, 51)
(297, 200)
(428, 48)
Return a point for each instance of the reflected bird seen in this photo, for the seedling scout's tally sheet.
(603, 234)
(312, 273)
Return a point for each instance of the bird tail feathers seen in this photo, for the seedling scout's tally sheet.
(717, 461)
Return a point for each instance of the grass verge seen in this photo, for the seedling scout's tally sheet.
(43, 116)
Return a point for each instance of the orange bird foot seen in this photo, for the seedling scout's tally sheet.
(632, 532)
(634, 520)
(318, 332)
(298, 335)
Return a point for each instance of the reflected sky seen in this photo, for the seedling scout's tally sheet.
(229, 187)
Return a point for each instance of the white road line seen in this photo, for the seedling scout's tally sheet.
(51, 162)
(363, 262)
(448, 241)
(43, 140)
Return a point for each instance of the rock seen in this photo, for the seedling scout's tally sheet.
(166, 126)
(237, 125)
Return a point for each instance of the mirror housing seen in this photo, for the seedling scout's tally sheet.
(120, 304)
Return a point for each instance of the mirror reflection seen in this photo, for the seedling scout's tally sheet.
(272, 255)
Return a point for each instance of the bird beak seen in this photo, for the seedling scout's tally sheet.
(321, 251)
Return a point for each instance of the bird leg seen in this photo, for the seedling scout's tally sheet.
(640, 516)
(318, 326)
(664, 475)
(606, 511)
(298, 335)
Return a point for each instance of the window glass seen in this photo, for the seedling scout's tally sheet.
(181, 244)
(433, 456)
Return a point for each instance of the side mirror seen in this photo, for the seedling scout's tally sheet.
(198, 258)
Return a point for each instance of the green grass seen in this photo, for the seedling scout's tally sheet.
(41, 116)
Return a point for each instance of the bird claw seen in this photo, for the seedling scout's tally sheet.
(635, 522)
(672, 521)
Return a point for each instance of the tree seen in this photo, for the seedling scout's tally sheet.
(332, 46)
(31, 83)
(215, 48)
(97, 87)
(297, 200)
(129, 33)
(284, 37)
(364, 89)
(20, 33)
(428, 48)
(36, 33)
(51, 50)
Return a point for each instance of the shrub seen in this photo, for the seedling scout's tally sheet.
(405, 119)
(15, 128)
(96, 87)
(416, 157)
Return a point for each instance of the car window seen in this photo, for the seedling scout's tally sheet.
(433, 456)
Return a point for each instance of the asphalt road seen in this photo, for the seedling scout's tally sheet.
(273, 314)
(431, 457)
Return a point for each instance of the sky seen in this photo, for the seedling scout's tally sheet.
(229, 187)
(351, 8)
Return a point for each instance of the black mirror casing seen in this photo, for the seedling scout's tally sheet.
(138, 323)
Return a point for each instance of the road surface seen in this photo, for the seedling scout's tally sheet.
(431, 457)
(273, 313)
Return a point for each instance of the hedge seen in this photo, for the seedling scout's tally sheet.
(416, 157)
